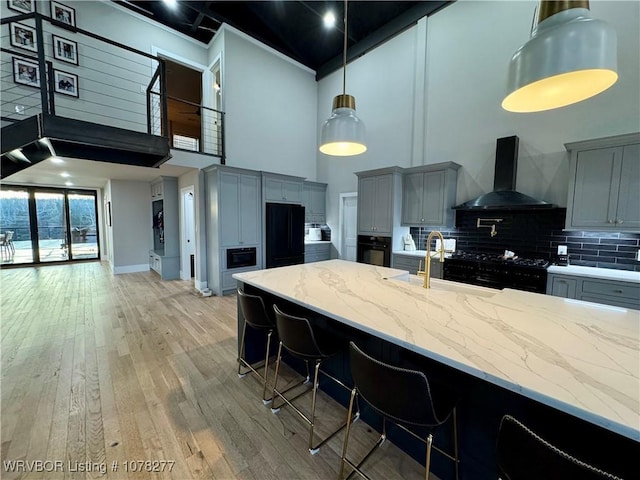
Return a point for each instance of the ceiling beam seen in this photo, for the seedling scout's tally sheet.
(386, 32)
(200, 17)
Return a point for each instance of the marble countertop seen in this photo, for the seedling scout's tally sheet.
(593, 272)
(580, 358)
(316, 242)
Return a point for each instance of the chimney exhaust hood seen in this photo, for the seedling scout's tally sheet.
(504, 196)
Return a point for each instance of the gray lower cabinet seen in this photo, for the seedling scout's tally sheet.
(428, 194)
(608, 292)
(412, 263)
(164, 256)
(604, 184)
(314, 202)
(317, 252)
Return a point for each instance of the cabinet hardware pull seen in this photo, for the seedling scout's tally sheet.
(620, 222)
(618, 290)
(610, 221)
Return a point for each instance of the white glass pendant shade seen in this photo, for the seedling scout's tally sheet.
(569, 58)
(343, 134)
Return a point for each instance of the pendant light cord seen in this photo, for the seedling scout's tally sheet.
(344, 53)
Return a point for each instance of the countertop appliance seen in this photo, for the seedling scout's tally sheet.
(497, 271)
(284, 234)
(374, 250)
(409, 244)
(315, 234)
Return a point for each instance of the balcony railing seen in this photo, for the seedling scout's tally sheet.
(53, 68)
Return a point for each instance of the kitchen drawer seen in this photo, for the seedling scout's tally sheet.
(560, 286)
(612, 289)
(618, 302)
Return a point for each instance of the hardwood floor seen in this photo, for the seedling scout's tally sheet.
(101, 373)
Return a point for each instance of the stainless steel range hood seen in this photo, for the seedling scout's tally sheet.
(504, 196)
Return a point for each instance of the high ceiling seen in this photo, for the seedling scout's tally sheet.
(293, 27)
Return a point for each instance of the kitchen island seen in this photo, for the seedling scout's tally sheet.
(580, 359)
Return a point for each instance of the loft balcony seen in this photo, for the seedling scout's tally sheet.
(70, 93)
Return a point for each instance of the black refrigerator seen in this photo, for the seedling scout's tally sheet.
(285, 234)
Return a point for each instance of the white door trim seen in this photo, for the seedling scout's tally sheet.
(185, 255)
(343, 196)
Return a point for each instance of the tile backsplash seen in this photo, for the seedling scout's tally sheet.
(537, 234)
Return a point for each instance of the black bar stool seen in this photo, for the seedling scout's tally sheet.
(255, 315)
(523, 455)
(301, 341)
(402, 396)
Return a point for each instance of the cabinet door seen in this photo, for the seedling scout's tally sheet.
(628, 213)
(229, 209)
(412, 198)
(273, 190)
(563, 287)
(595, 195)
(433, 198)
(249, 200)
(292, 191)
(317, 200)
(383, 211)
(366, 204)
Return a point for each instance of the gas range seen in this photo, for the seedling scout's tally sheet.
(500, 259)
(497, 271)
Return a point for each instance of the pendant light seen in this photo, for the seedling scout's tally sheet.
(569, 58)
(343, 133)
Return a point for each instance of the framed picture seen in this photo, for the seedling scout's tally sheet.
(23, 36)
(65, 50)
(26, 72)
(22, 6)
(63, 14)
(65, 83)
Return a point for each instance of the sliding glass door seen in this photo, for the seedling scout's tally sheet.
(45, 225)
(51, 218)
(15, 227)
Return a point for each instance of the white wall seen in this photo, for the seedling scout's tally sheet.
(131, 225)
(469, 45)
(270, 106)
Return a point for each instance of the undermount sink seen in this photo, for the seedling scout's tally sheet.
(456, 287)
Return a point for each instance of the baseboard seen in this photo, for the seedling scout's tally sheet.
(131, 269)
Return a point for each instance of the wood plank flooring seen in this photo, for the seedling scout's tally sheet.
(101, 373)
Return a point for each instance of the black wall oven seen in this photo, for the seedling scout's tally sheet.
(374, 250)
(241, 257)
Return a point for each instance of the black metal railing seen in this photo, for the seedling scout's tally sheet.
(73, 73)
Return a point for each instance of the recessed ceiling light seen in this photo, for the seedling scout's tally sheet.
(171, 3)
(56, 160)
(65, 175)
(68, 184)
(329, 20)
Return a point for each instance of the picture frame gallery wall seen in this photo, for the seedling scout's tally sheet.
(26, 69)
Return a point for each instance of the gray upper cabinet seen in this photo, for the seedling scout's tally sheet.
(429, 193)
(380, 204)
(375, 204)
(239, 209)
(604, 184)
(314, 201)
(281, 188)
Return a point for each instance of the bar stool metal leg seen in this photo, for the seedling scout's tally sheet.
(264, 377)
